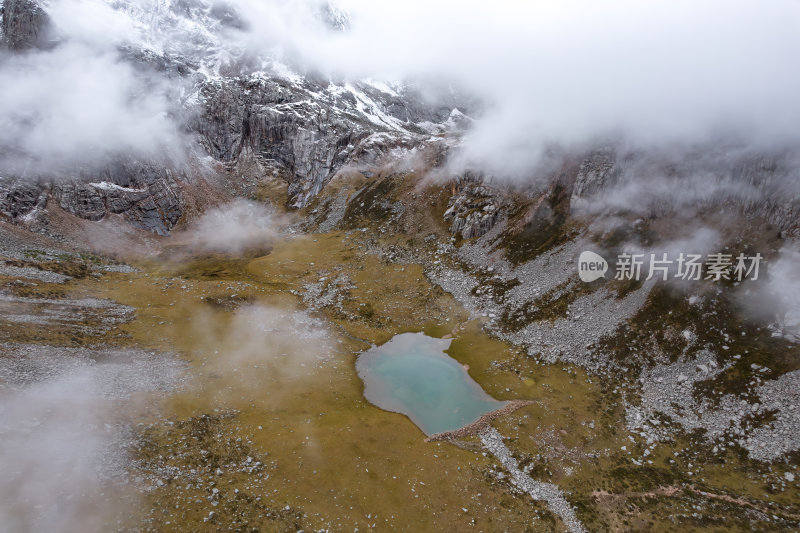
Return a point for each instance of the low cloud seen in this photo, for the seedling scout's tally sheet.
(567, 74)
(80, 102)
(262, 351)
(65, 427)
(572, 73)
(775, 297)
(784, 291)
(237, 227)
(74, 105)
(682, 179)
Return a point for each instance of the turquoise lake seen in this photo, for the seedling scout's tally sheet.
(412, 375)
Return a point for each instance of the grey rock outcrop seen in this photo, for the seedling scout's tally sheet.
(474, 209)
(80, 199)
(148, 196)
(306, 130)
(25, 25)
(18, 198)
(653, 183)
(275, 122)
(595, 173)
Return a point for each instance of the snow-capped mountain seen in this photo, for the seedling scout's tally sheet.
(225, 97)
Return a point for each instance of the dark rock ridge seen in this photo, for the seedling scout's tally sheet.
(20, 197)
(148, 196)
(25, 25)
(708, 178)
(647, 184)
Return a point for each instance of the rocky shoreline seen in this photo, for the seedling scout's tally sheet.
(480, 424)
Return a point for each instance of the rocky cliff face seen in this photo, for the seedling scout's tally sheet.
(609, 181)
(148, 196)
(308, 130)
(474, 208)
(25, 25)
(18, 198)
(146, 193)
(706, 179)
